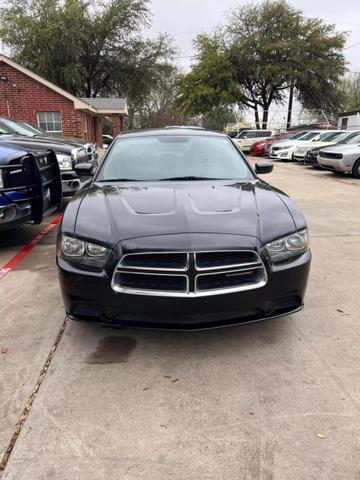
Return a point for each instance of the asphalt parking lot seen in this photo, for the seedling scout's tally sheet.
(274, 400)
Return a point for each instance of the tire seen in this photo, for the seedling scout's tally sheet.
(356, 169)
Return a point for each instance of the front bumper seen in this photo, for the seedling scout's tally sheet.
(281, 154)
(311, 159)
(337, 165)
(258, 151)
(70, 182)
(14, 215)
(88, 296)
(299, 156)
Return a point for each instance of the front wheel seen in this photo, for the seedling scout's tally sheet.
(356, 169)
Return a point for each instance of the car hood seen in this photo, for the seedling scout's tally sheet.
(343, 148)
(288, 143)
(34, 144)
(118, 212)
(264, 141)
(77, 142)
(315, 144)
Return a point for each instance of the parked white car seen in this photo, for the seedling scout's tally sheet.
(284, 150)
(324, 139)
(343, 157)
(247, 138)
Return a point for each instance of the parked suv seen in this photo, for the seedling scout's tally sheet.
(246, 138)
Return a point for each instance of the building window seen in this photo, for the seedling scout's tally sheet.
(51, 122)
(344, 123)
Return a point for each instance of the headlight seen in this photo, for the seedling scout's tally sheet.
(65, 162)
(288, 247)
(83, 252)
(1, 180)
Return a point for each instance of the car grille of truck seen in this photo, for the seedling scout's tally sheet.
(189, 274)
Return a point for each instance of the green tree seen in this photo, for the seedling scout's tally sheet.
(156, 106)
(85, 48)
(210, 84)
(264, 51)
(218, 118)
(350, 88)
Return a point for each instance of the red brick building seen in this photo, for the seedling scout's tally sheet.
(27, 97)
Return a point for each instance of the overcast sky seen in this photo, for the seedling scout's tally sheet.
(184, 18)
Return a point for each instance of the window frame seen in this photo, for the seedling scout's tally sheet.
(45, 124)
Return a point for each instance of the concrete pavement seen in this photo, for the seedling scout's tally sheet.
(275, 400)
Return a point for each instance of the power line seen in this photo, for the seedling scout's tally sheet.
(351, 46)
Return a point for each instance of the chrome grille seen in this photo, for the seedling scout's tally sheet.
(227, 258)
(151, 282)
(188, 274)
(245, 279)
(156, 261)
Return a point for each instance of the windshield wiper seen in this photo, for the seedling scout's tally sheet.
(189, 177)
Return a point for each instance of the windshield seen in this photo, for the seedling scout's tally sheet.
(298, 135)
(175, 158)
(243, 134)
(335, 136)
(309, 136)
(354, 138)
(35, 130)
(17, 127)
(321, 137)
(4, 131)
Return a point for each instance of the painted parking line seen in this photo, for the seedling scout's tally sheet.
(11, 264)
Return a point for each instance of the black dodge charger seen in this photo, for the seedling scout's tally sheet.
(176, 230)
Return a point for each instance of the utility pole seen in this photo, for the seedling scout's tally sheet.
(291, 99)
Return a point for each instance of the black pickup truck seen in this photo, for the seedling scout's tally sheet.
(68, 152)
(30, 186)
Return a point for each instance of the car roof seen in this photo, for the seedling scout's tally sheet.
(171, 132)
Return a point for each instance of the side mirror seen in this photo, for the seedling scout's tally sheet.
(84, 169)
(263, 167)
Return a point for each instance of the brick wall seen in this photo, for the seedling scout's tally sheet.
(21, 97)
(117, 125)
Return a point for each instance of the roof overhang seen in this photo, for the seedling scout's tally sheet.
(78, 103)
(112, 112)
(347, 114)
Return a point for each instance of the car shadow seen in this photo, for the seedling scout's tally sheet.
(101, 345)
